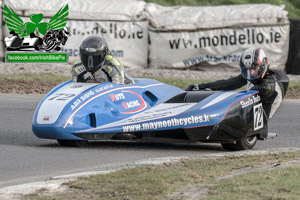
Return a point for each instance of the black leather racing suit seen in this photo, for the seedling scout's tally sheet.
(265, 86)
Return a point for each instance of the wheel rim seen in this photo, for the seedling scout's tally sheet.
(251, 140)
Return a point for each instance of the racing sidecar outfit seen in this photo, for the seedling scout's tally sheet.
(269, 88)
(112, 70)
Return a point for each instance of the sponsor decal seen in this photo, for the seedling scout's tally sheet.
(46, 118)
(167, 123)
(249, 101)
(117, 97)
(75, 104)
(136, 105)
(98, 90)
(124, 105)
(81, 99)
(37, 36)
(87, 95)
(131, 104)
(161, 111)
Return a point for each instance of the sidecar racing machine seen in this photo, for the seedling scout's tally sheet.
(150, 111)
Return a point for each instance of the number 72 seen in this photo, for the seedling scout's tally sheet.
(258, 116)
(61, 97)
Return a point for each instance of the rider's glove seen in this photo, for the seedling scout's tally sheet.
(190, 87)
(87, 76)
(80, 73)
(194, 87)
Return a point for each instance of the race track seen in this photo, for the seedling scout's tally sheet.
(25, 158)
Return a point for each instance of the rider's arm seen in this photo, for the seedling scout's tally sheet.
(228, 84)
(266, 87)
(80, 74)
(114, 69)
(128, 79)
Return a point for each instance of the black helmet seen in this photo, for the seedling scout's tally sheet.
(92, 52)
(253, 64)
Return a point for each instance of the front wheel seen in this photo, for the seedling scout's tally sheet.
(243, 144)
(72, 143)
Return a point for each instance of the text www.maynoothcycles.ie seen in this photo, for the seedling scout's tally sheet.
(167, 123)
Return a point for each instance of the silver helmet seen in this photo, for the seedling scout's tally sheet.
(253, 64)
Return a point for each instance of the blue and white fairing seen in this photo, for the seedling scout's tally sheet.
(71, 107)
(100, 111)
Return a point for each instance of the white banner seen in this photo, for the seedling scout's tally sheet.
(217, 46)
(190, 18)
(112, 10)
(127, 41)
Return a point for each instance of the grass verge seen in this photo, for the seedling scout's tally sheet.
(44, 77)
(294, 84)
(164, 181)
(276, 184)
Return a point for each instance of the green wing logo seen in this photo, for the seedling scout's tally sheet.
(16, 24)
(59, 21)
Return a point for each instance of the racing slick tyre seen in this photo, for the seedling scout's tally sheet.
(72, 143)
(243, 144)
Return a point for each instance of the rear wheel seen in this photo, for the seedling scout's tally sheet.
(243, 144)
(72, 143)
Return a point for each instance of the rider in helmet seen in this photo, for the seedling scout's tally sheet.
(255, 73)
(253, 65)
(96, 65)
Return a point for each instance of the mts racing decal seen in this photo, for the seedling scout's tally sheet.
(128, 101)
(131, 104)
(117, 97)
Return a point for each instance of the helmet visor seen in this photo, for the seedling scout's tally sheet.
(251, 73)
(92, 62)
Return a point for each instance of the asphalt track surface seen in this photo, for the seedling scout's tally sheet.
(26, 158)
